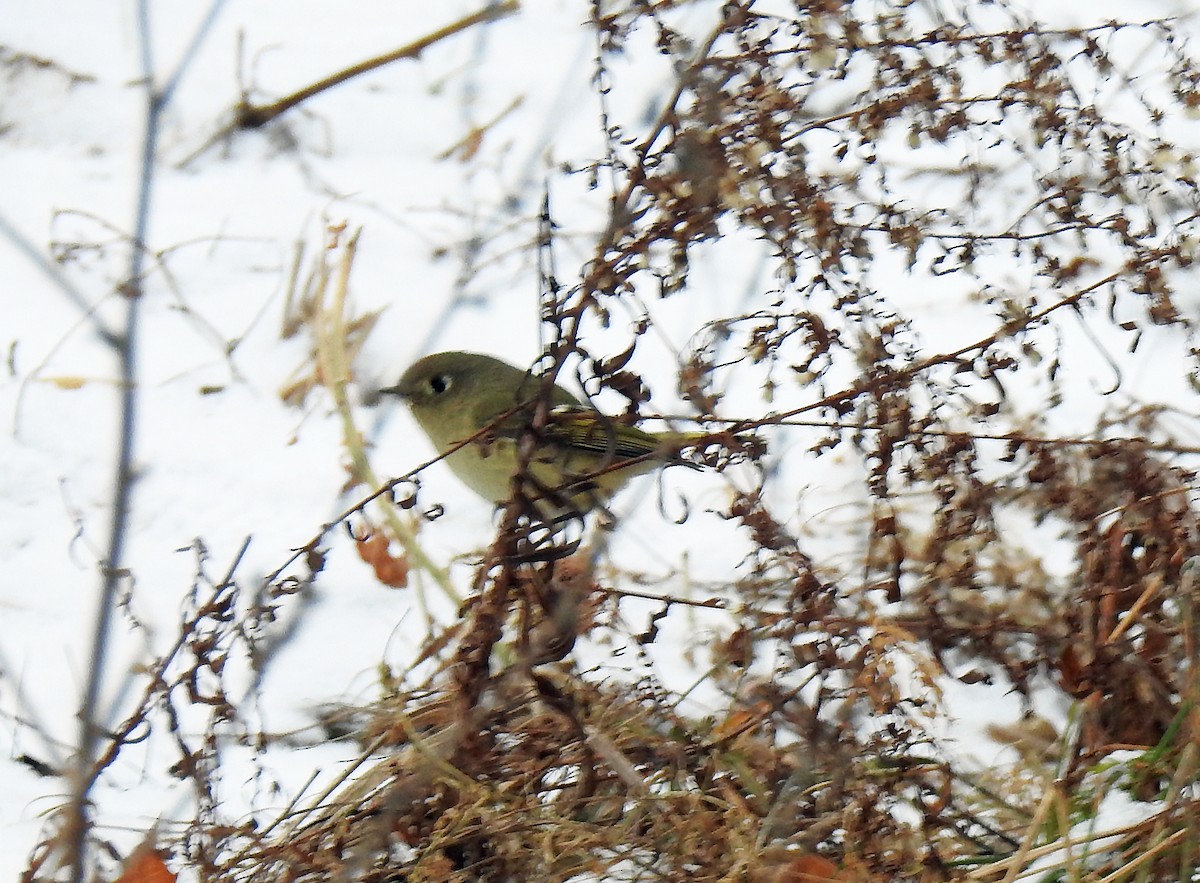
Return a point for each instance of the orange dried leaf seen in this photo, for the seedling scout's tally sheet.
(738, 721)
(391, 570)
(813, 869)
(145, 865)
(1072, 672)
(803, 869)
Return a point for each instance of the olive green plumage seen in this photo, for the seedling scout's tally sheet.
(454, 395)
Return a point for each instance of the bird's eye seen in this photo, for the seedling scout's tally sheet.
(439, 383)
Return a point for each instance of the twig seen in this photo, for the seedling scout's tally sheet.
(255, 116)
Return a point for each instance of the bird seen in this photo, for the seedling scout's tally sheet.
(582, 456)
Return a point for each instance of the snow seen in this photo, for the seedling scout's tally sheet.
(234, 462)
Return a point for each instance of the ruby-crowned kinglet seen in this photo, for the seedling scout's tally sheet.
(578, 462)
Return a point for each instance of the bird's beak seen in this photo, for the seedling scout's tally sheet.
(393, 391)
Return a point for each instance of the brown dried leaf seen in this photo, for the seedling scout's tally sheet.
(391, 570)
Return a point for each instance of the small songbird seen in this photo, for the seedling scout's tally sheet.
(583, 457)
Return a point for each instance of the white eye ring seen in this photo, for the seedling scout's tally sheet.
(439, 383)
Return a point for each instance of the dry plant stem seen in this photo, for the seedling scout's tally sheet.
(470, 668)
(331, 353)
(741, 424)
(1184, 775)
(82, 301)
(467, 145)
(355, 793)
(619, 210)
(33, 376)
(152, 694)
(836, 399)
(1143, 857)
(1031, 834)
(1126, 833)
(250, 116)
(709, 603)
(567, 318)
(298, 817)
(1071, 864)
(1154, 585)
(1017, 864)
(312, 546)
(495, 581)
(403, 780)
(78, 820)
(608, 751)
(593, 281)
(1007, 331)
(158, 676)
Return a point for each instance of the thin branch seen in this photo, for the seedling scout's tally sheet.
(255, 116)
(113, 571)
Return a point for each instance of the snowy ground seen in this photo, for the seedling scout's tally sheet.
(379, 154)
